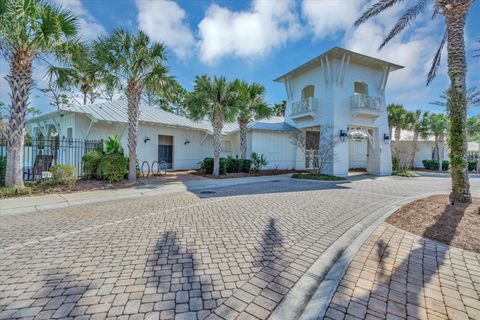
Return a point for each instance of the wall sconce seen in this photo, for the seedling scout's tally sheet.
(343, 135)
(186, 142)
(146, 139)
(386, 138)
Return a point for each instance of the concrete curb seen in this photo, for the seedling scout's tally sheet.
(311, 295)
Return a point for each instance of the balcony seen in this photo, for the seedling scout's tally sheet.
(366, 106)
(305, 108)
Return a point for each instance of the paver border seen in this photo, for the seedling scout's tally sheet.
(311, 295)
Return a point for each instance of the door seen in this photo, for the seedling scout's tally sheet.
(358, 153)
(165, 150)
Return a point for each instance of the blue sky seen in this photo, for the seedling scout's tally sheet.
(258, 40)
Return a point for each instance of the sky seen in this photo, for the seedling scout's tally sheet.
(259, 40)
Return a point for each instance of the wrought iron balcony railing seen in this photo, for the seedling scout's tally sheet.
(305, 105)
(360, 100)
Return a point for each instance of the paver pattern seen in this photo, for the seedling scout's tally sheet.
(231, 254)
(398, 275)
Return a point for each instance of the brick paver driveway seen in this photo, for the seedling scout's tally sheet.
(233, 253)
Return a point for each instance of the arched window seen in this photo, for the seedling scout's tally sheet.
(308, 92)
(361, 87)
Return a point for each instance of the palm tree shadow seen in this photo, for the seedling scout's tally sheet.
(412, 284)
(270, 247)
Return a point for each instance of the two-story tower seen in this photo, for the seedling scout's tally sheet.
(338, 100)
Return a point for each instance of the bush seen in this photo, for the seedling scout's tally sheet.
(395, 164)
(316, 176)
(114, 167)
(63, 175)
(227, 165)
(472, 165)
(113, 145)
(433, 164)
(91, 162)
(3, 170)
(258, 161)
(9, 192)
(244, 165)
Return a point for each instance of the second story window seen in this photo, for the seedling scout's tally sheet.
(308, 92)
(361, 87)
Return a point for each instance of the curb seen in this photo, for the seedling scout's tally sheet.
(310, 296)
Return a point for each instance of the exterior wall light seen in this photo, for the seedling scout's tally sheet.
(343, 135)
(386, 138)
(186, 142)
(146, 139)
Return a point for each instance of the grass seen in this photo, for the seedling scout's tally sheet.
(316, 176)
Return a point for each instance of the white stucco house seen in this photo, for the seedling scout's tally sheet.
(339, 94)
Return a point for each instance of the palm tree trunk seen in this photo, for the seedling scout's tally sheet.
(20, 81)
(457, 99)
(133, 92)
(437, 151)
(242, 122)
(414, 148)
(217, 142)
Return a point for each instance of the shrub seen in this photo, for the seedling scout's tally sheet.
(207, 165)
(433, 164)
(232, 164)
(244, 165)
(472, 165)
(395, 164)
(316, 176)
(113, 145)
(63, 175)
(3, 170)
(258, 161)
(9, 192)
(114, 167)
(91, 162)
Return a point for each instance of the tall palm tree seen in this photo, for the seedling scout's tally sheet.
(79, 74)
(252, 106)
(133, 63)
(455, 14)
(29, 29)
(438, 125)
(213, 98)
(397, 118)
(473, 98)
(279, 108)
(418, 123)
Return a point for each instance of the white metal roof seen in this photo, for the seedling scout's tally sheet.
(117, 111)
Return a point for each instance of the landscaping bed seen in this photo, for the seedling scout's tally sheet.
(435, 218)
(316, 176)
(243, 174)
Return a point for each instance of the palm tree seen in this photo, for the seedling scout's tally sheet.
(455, 13)
(473, 128)
(438, 125)
(29, 29)
(79, 74)
(473, 98)
(418, 123)
(252, 107)
(136, 64)
(396, 118)
(213, 98)
(279, 108)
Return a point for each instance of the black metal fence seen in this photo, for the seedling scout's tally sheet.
(40, 154)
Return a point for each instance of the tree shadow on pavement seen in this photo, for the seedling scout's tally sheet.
(394, 281)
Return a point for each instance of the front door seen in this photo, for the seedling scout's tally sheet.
(165, 150)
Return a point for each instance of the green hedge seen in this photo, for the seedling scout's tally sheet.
(433, 164)
(63, 175)
(3, 169)
(114, 167)
(227, 165)
(91, 163)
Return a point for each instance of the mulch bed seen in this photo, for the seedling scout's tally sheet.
(244, 174)
(435, 218)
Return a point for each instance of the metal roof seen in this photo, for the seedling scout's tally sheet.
(338, 52)
(117, 111)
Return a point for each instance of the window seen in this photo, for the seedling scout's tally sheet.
(308, 92)
(70, 135)
(361, 87)
(227, 146)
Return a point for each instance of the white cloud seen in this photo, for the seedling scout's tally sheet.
(166, 21)
(328, 17)
(250, 33)
(89, 26)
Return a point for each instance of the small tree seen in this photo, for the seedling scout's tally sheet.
(213, 98)
(397, 117)
(438, 125)
(417, 122)
(323, 155)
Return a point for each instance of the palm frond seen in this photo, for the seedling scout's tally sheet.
(376, 9)
(405, 20)
(437, 59)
